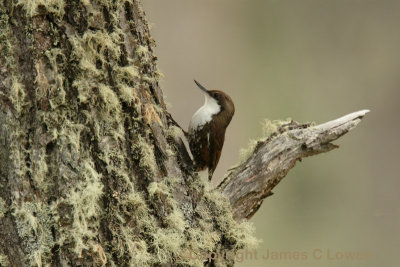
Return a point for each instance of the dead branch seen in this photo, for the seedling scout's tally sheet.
(248, 184)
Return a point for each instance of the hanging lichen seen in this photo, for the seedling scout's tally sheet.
(92, 173)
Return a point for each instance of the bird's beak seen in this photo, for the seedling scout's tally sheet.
(201, 87)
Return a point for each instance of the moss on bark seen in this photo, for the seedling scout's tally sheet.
(92, 176)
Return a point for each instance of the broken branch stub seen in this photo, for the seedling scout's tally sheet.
(249, 183)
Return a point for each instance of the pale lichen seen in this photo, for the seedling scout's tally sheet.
(146, 156)
(174, 131)
(127, 94)
(4, 260)
(52, 6)
(268, 129)
(84, 201)
(132, 216)
(181, 242)
(3, 208)
(17, 94)
(56, 92)
(34, 223)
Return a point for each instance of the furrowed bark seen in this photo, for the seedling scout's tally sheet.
(248, 184)
(93, 170)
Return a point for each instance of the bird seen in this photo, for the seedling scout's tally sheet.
(206, 133)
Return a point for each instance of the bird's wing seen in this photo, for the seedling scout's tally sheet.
(217, 138)
(199, 146)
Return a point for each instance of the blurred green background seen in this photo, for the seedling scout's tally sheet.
(311, 60)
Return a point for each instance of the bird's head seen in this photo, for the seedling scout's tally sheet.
(222, 99)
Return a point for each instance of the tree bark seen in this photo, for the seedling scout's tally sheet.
(93, 170)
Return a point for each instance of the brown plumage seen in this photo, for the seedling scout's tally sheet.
(207, 129)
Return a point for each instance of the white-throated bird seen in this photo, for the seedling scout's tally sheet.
(207, 129)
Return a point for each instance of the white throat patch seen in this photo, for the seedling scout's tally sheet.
(204, 113)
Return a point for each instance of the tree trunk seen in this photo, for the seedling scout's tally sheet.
(93, 169)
